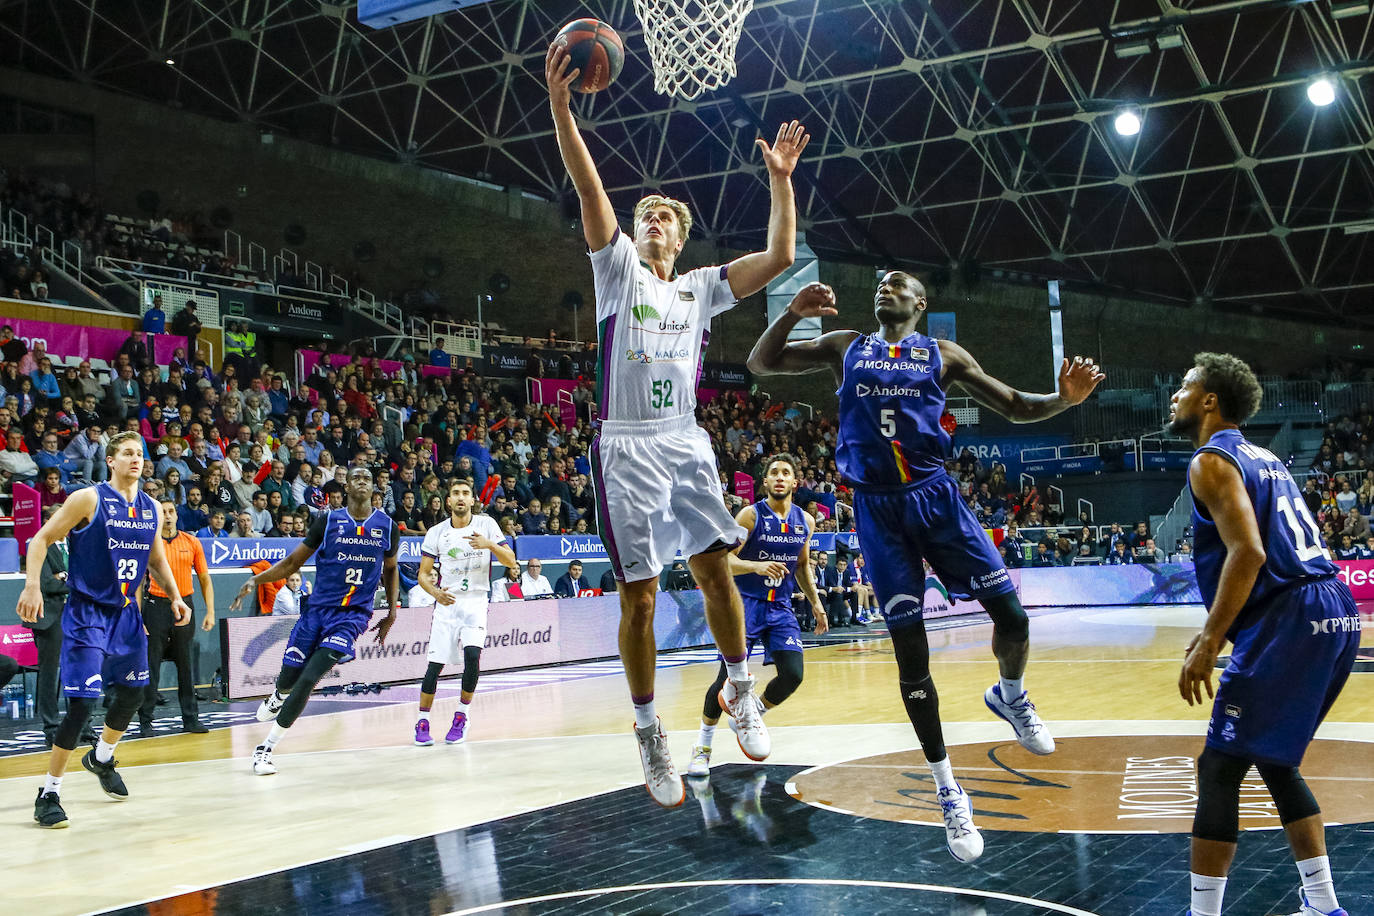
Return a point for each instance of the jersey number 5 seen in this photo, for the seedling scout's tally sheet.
(887, 422)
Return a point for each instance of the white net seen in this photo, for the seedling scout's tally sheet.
(692, 42)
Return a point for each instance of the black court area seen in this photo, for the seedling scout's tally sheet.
(741, 845)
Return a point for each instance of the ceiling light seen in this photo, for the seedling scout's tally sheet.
(1344, 9)
(1136, 47)
(1321, 91)
(1169, 38)
(1359, 228)
(170, 62)
(1127, 121)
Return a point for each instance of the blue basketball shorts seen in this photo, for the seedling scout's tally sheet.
(336, 628)
(1287, 667)
(771, 624)
(900, 527)
(98, 641)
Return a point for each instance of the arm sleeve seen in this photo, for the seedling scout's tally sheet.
(315, 536)
(395, 541)
(198, 557)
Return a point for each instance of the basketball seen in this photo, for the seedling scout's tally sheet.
(595, 49)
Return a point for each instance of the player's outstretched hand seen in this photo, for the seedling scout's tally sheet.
(181, 614)
(383, 626)
(30, 604)
(770, 569)
(1077, 379)
(1197, 671)
(558, 76)
(243, 593)
(781, 158)
(813, 300)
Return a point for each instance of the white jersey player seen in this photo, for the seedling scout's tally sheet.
(455, 574)
(653, 470)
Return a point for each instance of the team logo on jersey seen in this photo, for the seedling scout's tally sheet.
(376, 532)
(147, 513)
(644, 312)
(686, 295)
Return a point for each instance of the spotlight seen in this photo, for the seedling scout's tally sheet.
(170, 62)
(1321, 91)
(1127, 121)
(1137, 47)
(1345, 9)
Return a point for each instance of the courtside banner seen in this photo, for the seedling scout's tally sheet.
(229, 553)
(559, 547)
(1358, 575)
(520, 634)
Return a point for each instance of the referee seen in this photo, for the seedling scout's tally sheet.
(165, 640)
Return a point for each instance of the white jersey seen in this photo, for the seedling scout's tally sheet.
(651, 333)
(463, 570)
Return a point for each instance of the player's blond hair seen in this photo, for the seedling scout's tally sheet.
(684, 215)
(119, 439)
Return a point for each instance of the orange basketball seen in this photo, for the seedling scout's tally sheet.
(595, 49)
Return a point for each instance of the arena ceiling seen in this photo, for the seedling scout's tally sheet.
(971, 135)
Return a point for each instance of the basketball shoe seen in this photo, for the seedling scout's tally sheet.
(701, 762)
(422, 737)
(458, 729)
(111, 783)
(746, 717)
(961, 836)
(664, 785)
(1309, 910)
(262, 761)
(270, 707)
(47, 810)
(1020, 713)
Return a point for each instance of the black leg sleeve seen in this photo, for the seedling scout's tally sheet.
(710, 709)
(317, 667)
(431, 680)
(918, 689)
(788, 678)
(472, 667)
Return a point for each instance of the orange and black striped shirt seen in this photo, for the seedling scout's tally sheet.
(184, 555)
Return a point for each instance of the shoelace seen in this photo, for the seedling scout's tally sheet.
(659, 768)
(749, 709)
(1024, 711)
(951, 808)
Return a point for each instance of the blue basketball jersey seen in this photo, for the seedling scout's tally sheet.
(773, 539)
(890, 407)
(1293, 543)
(349, 558)
(108, 556)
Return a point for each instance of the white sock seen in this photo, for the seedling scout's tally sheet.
(944, 774)
(737, 671)
(463, 707)
(1011, 688)
(1317, 883)
(645, 716)
(52, 784)
(707, 734)
(104, 753)
(275, 735)
(1207, 894)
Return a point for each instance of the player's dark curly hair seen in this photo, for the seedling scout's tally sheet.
(1233, 382)
(785, 458)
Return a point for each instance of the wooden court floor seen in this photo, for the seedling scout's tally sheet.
(551, 767)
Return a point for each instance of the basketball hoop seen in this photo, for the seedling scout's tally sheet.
(693, 52)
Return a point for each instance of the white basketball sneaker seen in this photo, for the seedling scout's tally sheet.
(961, 836)
(701, 762)
(746, 717)
(1020, 712)
(262, 761)
(664, 785)
(270, 706)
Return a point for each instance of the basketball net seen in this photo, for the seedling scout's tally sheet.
(692, 53)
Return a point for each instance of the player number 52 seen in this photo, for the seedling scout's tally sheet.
(663, 393)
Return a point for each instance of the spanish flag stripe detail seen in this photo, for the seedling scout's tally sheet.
(784, 527)
(349, 596)
(772, 593)
(903, 469)
(893, 351)
(359, 532)
(133, 513)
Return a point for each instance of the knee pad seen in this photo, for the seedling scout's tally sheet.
(471, 667)
(1292, 797)
(1218, 796)
(122, 708)
(431, 681)
(1009, 619)
(69, 731)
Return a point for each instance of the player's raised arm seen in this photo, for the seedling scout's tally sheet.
(78, 508)
(773, 355)
(598, 219)
(751, 273)
(1077, 380)
(1218, 485)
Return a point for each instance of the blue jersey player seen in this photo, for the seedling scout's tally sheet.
(1272, 592)
(770, 566)
(892, 449)
(355, 547)
(112, 540)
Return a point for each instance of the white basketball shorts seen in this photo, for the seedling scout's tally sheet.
(462, 623)
(657, 492)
